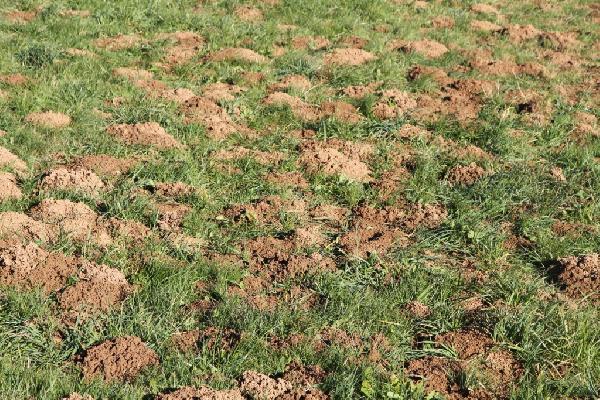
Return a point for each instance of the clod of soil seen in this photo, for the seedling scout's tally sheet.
(482, 8)
(465, 175)
(120, 359)
(119, 42)
(9, 190)
(10, 160)
(333, 159)
(72, 179)
(49, 119)
(19, 226)
(297, 82)
(443, 22)
(238, 54)
(348, 57)
(248, 13)
(360, 91)
(105, 165)
(201, 393)
(580, 276)
(486, 26)
(393, 104)
(427, 48)
(436, 374)
(20, 17)
(186, 46)
(265, 211)
(77, 396)
(213, 117)
(148, 133)
(239, 153)
(301, 110)
(310, 42)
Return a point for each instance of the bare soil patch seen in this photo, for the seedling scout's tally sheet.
(580, 276)
(119, 42)
(72, 179)
(203, 393)
(332, 158)
(465, 175)
(21, 227)
(9, 189)
(238, 54)
(120, 359)
(348, 57)
(49, 119)
(427, 48)
(105, 165)
(148, 133)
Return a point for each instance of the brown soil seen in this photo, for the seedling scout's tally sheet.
(76, 220)
(466, 343)
(14, 79)
(238, 54)
(486, 26)
(301, 110)
(484, 9)
(296, 82)
(508, 67)
(443, 22)
(308, 236)
(360, 91)
(120, 359)
(49, 119)
(465, 175)
(128, 230)
(342, 111)
(436, 374)
(355, 42)
(8, 159)
(9, 190)
(520, 33)
(148, 133)
(171, 216)
(105, 165)
(580, 276)
(560, 41)
(531, 104)
(133, 74)
(14, 225)
(72, 179)
(75, 13)
(173, 189)
(418, 309)
(248, 13)
(348, 57)
(186, 46)
(393, 104)
(288, 179)
(215, 119)
(238, 153)
(20, 17)
(310, 42)
(222, 91)
(333, 159)
(119, 42)
(573, 229)
(427, 48)
(211, 338)
(265, 211)
(259, 386)
(201, 393)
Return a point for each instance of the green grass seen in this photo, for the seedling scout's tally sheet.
(362, 297)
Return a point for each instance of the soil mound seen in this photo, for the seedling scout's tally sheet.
(238, 54)
(119, 42)
(348, 57)
(148, 133)
(49, 119)
(9, 190)
(19, 226)
(72, 179)
(580, 276)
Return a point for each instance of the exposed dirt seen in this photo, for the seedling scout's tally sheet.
(580, 276)
(173, 189)
(427, 48)
(443, 22)
(348, 57)
(119, 42)
(310, 42)
(9, 189)
(301, 110)
(266, 210)
(332, 158)
(393, 104)
(355, 42)
(417, 309)
(105, 165)
(436, 374)
(572, 229)
(248, 13)
(171, 215)
(465, 175)
(72, 179)
(222, 91)
(76, 220)
(201, 393)
(120, 359)
(296, 82)
(486, 26)
(19, 226)
(77, 396)
(341, 111)
(520, 33)
(20, 17)
(482, 8)
(133, 74)
(185, 47)
(259, 386)
(238, 54)
(214, 118)
(288, 179)
(466, 343)
(238, 153)
(8, 159)
(49, 119)
(361, 91)
(148, 133)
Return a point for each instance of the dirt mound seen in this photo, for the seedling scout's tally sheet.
(427, 48)
(342, 111)
(520, 33)
(297, 82)
(222, 91)
(238, 153)
(133, 74)
(437, 374)
(580, 276)
(332, 158)
(265, 211)
(72, 179)
(214, 118)
(287, 179)
(310, 42)
(148, 133)
(14, 79)
(119, 42)
(484, 9)
(173, 189)
(77, 396)
(105, 165)
(485, 26)
(417, 309)
(248, 13)
(20, 17)
(14, 225)
(443, 22)
(201, 393)
(76, 220)
(355, 42)
(348, 57)
(360, 91)
(238, 54)
(465, 175)
(186, 46)
(329, 213)
(9, 190)
(301, 110)
(171, 216)
(8, 159)
(260, 386)
(49, 119)
(120, 359)
(508, 67)
(466, 343)
(393, 104)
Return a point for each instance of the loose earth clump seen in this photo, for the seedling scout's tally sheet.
(580, 276)
(148, 134)
(49, 119)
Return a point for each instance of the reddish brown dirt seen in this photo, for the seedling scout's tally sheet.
(20, 17)
(443, 22)
(72, 179)
(260, 386)
(186, 46)
(436, 374)
(222, 91)
(297, 82)
(334, 159)
(76, 220)
(580, 276)
(238, 153)
(128, 230)
(105, 165)
(18, 226)
(77, 396)
(173, 189)
(266, 210)
(9, 190)
(288, 179)
(393, 104)
(508, 67)
(337, 337)
(301, 110)
(427, 48)
(361, 91)
(465, 175)
(49, 119)
(348, 57)
(171, 215)
(238, 54)
(466, 343)
(486, 26)
(484, 9)
(248, 13)
(303, 375)
(352, 41)
(8, 159)
(418, 309)
(520, 33)
(133, 74)
(120, 359)
(214, 118)
(342, 111)
(329, 213)
(14, 79)
(201, 393)
(148, 133)
(119, 42)
(573, 229)
(534, 108)
(308, 236)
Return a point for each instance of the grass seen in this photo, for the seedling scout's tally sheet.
(364, 297)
